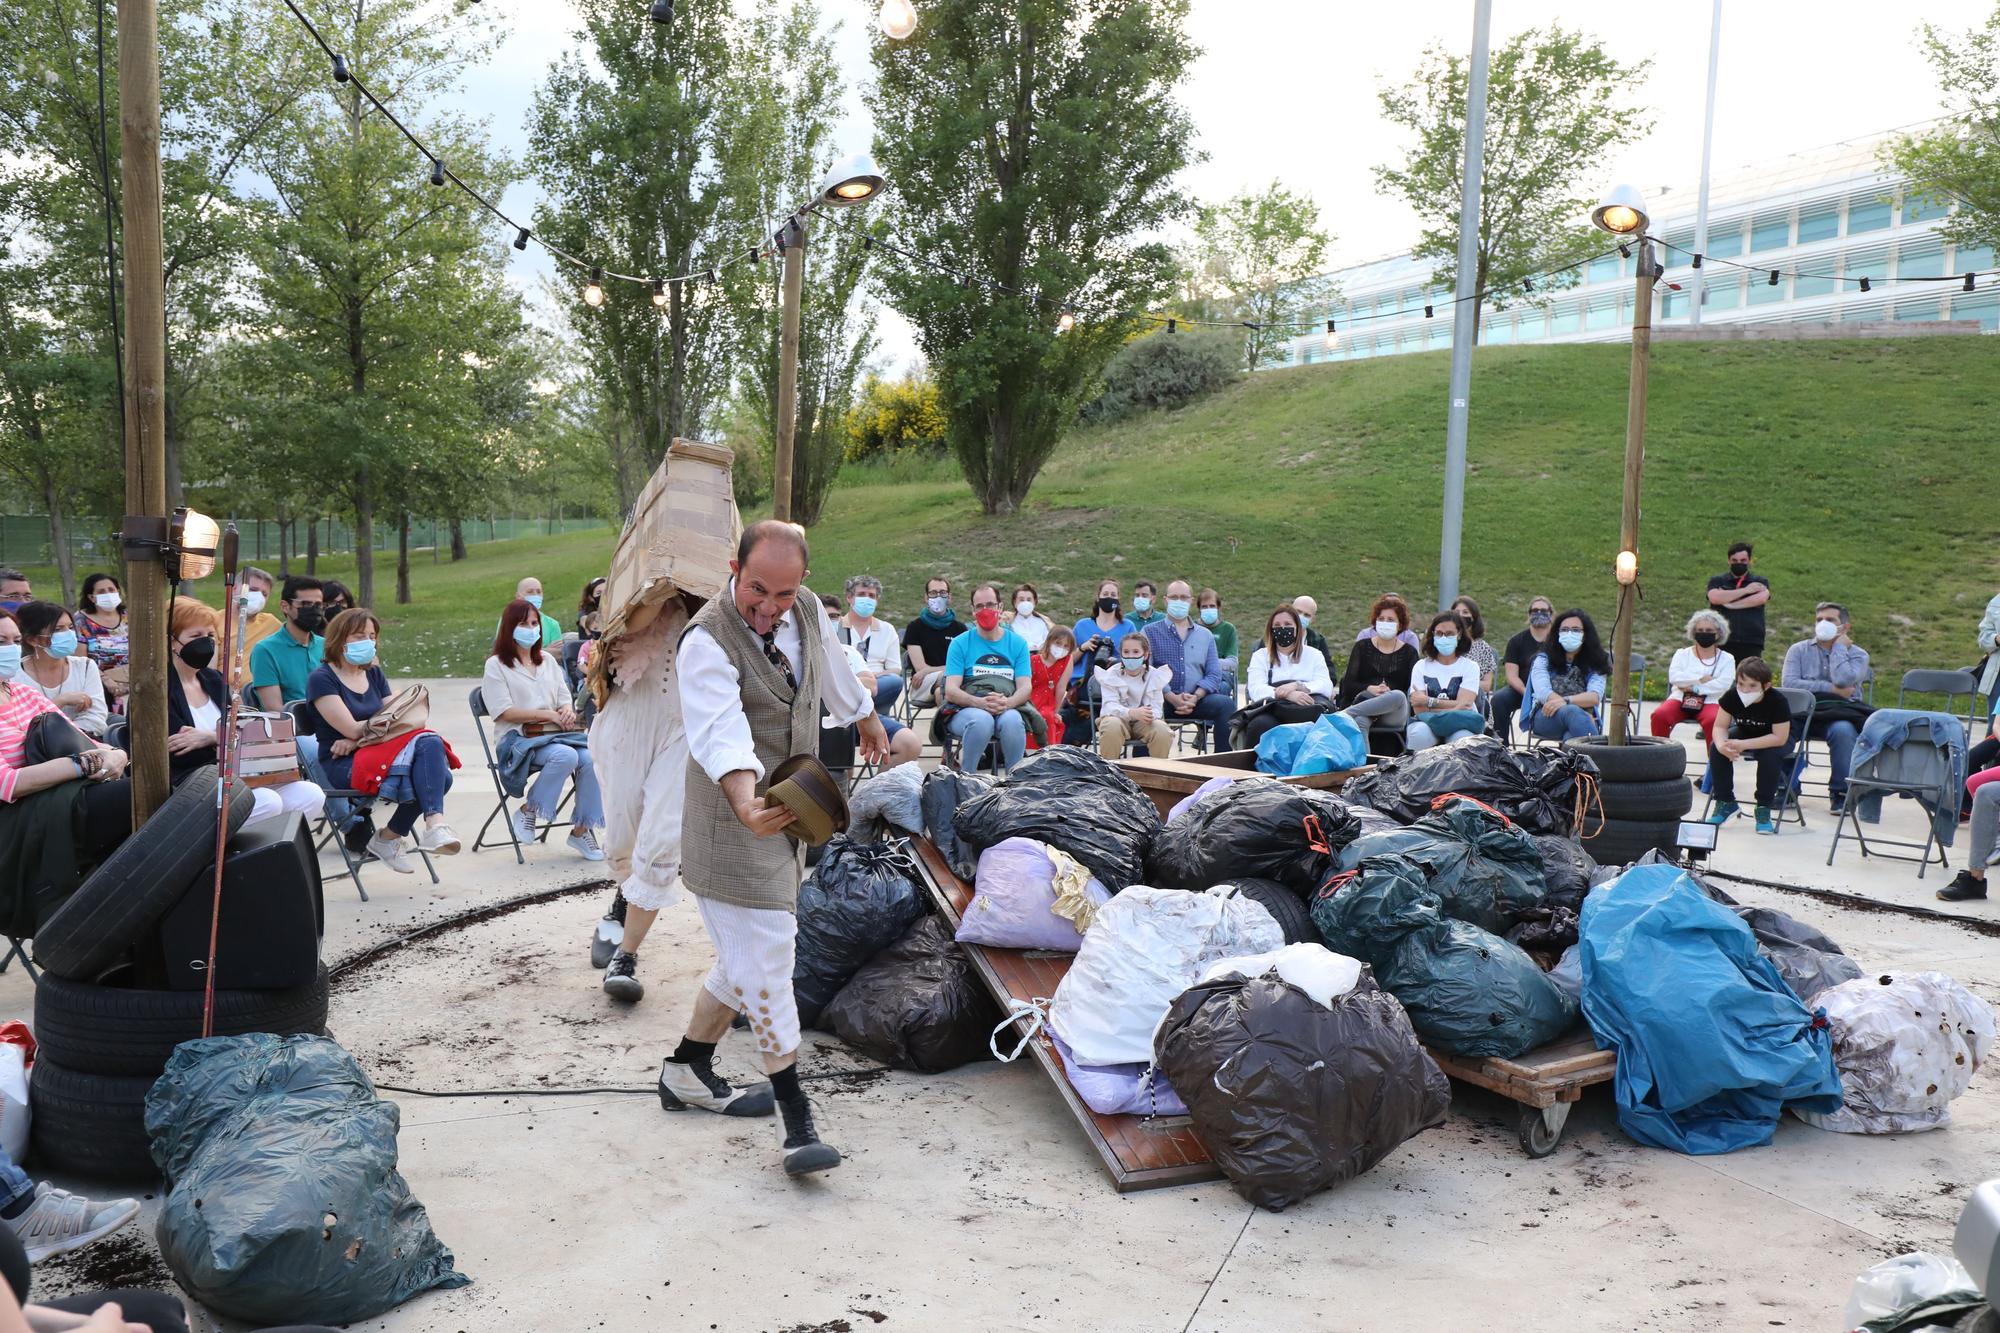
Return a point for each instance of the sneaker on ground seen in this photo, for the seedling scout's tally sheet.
(1765, 824)
(684, 1085)
(583, 842)
(604, 942)
(523, 825)
(1837, 802)
(388, 849)
(621, 978)
(440, 839)
(58, 1221)
(1724, 812)
(1963, 888)
(804, 1153)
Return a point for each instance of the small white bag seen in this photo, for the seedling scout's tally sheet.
(17, 1056)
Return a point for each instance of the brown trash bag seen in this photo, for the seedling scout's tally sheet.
(1292, 1098)
(916, 1005)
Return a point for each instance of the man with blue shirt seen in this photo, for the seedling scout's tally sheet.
(987, 677)
(1198, 691)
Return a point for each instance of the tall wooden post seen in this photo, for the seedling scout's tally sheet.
(1635, 463)
(788, 368)
(145, 396)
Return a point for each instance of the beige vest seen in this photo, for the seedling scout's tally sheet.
(720, 859)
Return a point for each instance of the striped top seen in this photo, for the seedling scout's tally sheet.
(19, 705)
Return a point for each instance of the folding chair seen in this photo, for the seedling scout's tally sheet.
(1950, 684)
(1636, 667)
(328, 831)
(500, 811)
(18, 948)
(1917, 769)
(1801, 703)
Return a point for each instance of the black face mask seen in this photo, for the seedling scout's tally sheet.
(1739, 567)
(198, 653)
(1107, 606)
(309, 617)
(1705, 637)
(1284, 635)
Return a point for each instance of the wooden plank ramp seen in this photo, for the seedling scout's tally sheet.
(1137, 1152)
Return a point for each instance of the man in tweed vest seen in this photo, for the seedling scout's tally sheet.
(754, 668)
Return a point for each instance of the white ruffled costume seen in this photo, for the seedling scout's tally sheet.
(641, 753)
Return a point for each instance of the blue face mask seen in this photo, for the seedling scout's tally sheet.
(534, 599)
(864, 607)
(10, 660)
(1142, 604)
(525, 635)
(1570, 639)
(359, 652)
(62, 643)
(1177, 608)
(1446, 644)
(1134, 664)
(1210, 614)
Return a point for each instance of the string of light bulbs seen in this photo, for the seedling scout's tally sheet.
(1773, 276)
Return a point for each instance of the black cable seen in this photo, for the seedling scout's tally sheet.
(110, 236)
(1870, 278)
(875, 1072)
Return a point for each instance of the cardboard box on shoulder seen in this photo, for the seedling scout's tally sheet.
(681, 536)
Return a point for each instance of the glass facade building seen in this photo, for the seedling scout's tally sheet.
(1815, 216)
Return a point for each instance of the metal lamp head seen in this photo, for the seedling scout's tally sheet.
(853, 180)
(1622, 211)
(192, 540)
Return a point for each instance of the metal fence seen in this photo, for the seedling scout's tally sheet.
(25, 538)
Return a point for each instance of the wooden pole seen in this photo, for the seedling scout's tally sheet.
(788, 370)
(145, 395)
(1635, 463)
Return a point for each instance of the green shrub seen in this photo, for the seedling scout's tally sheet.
(1163, 370)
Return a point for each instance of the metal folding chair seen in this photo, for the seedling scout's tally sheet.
(1950, 684)
(328, 831)
(500, 811)
(18, 948)
(1917, 769)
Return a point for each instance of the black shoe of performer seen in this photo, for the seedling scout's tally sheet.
(696, 1084)
(804, 1153)
(608, 933)
(621, 978)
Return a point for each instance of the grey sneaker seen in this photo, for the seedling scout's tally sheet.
(58, 1221)
(685, 1085)
(621, 980)
(523, 826)
(583, 842)
(804, 1153)
(440, 840)
(387, 848)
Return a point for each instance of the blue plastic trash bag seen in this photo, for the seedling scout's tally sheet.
(1331, 743)
(1712, 1044)
(286, 1204)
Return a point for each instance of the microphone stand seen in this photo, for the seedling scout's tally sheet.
(225, 754)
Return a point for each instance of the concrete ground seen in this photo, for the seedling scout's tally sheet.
(970, 1200)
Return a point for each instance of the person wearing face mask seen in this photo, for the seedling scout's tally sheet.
(529, 590)
(1834, 669)
(1307, 611)
(414, 770)
(1480, 651)
(280, 663)
(1050, 666)
(987, 676)
(1751, 720)
(1208, 609)
(1197, 691)
(525, 691)
(1518, 661)
(1444, 686)
(590, 611)
(1097, 638)
(1740, 596)
(1566, 683)
(1288, 682)
(1409, 634)
(198, 709)
(1024, 617)
(14, 589)
(100, 627)
(66, 677)
(1698, 676)
(1374, 690)
(338, 598)
(1145, 610)
(874, 639)
(927, 640)
(1131, 697)
(253, 594)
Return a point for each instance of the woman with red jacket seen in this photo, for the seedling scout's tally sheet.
(1051, 666)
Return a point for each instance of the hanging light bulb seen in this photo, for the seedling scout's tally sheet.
(521, 241)
(437, 171)
(1173, 324)
(1066, 320)
(340, 74)
(1332, 336)
(593, 295)
(663, 11)
(659, 293)
(899, 19)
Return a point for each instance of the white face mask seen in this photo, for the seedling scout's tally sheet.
(1748, 696)
(253, 602)
(1024, 607)
(106, 601)
(1386, 628)
(1826, 631)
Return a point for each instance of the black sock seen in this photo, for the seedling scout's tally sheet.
(19, 1206)
(785, 1083)
(692, 1052)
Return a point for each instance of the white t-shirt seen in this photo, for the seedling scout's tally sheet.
(1442, 682)
(207, 714)
(1034, 630)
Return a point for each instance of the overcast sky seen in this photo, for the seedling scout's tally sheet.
(1286, 89)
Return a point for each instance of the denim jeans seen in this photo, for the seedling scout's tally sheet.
(14, 1182)
(975, 727)
(1569, 723)
(340, 812)
(1214, 711)
(430, 778)
(555, 764)
(888, 689)
(1839, 738)
(1506, 703)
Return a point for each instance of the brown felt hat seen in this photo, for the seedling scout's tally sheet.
(803, 786)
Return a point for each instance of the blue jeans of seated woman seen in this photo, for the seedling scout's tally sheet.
(888, 689)
(975, 727)
(1568, 724)
(430, 777)
(554, 765)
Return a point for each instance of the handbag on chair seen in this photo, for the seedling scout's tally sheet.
(408, 710)
(53, 736)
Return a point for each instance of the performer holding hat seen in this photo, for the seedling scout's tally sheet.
(754, 667)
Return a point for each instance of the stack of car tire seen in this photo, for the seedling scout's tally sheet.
(101, 1044)
(1645, 793)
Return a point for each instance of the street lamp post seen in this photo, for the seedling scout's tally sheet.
(1623, 214)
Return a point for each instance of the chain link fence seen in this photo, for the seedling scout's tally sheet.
(25, 538)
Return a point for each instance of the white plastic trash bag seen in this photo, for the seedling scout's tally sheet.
(17, 1057)
(1897, 1284)
(1145, 948)
(1906, 1044)
(893, 795)
(1020, 885)
(1315, 969)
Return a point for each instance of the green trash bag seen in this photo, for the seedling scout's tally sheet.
(286, 1206)
(1483, 868)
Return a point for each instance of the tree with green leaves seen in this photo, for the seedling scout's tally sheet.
(1258, 259)
(1958, 159)
(1033, 146)
(1557, 104)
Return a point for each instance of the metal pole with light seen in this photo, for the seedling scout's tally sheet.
(853, 180)
(1707, 143)
(1623, 214)
(1465, 317)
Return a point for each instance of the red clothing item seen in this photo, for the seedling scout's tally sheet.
(1670, 715)
(1051, 679)
(373, 762)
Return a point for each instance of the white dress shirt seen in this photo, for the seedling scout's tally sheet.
(879, 646)
(1309, 670)
(712, 696)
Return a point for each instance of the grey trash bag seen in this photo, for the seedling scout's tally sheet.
(1806, 958)
(894, 796)
(945, 789)
(286, 1205)
(857, 901)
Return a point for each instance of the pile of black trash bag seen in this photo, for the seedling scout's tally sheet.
(1538, 789)
(1483, 868)
(916, 1004)
(1066, 797)
(858, 900)
(1257, 827)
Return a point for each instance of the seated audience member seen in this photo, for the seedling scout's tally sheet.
(1025, 617)
(48, 1221)
(67, 678)
(1982, 765)
(874, 639)
(904, 744)
(14, 589)
(1143, 611)
(1288, 681)
(1130, 698)
(524, 688)
(100, 627)
(1969, 885)
(927, 640)
(1834, 669)
(414, 771)
(1097, 638)
(1444, 685)
(1208, 604)
(338, 598)
(1409, 634)
(280, 662)
(1517, 662)
(253, 594)
(198, 709)
(1480, 651)
(529, 590)
(1375, 686)
(1566, 683)
(987, 677)
(1698, 676)
(1197, 691)
(590, 610)
(1051, 669)
(1751, 719)
(1307, 611)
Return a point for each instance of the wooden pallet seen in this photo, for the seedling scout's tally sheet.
(1546, 1082)
(1137, 1152)
(1168, 781)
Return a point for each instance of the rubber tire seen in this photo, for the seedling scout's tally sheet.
(1639, 759)
(90, 1125)
(1285, 907)
(138, 883)
(113, 1030)
(1669, 798)
(1622, 841)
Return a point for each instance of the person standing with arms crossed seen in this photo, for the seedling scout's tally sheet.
(1740, 596)
(753, 668)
